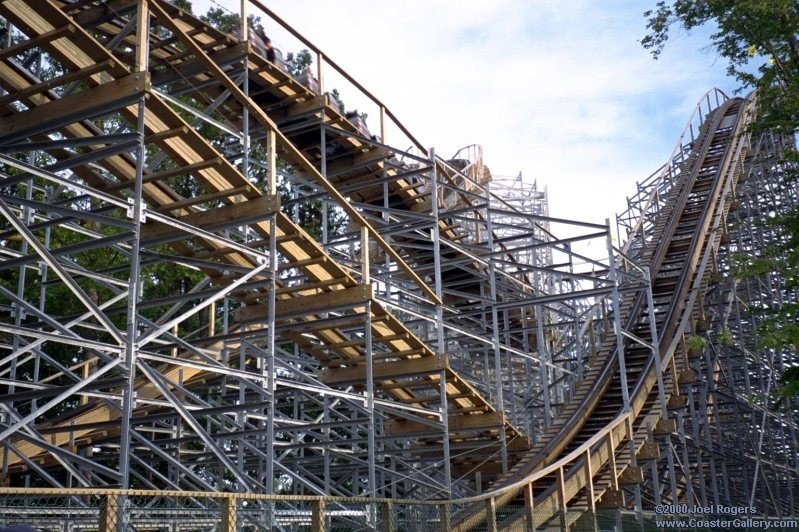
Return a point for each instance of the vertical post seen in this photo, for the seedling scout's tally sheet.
(132, 331)
(589, 481)
(491, 514)
(319, 60)
(212, 320)
(370, 390)
(614, 481)
(686, 464)
(269, 367)
(245, 113)
(625, 392)
(323, 170)
(529, 506)
(660, 383)
(387, 511)
(108, 514)
(495, 336)
(383, 124)
(444, 517)
(229, 515)
(244, 20)
(440, 340)
(365, 267)
(562, 498)
(543, 354)
(318, 516)
(634, 463)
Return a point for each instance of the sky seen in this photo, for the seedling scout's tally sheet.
(560, 91)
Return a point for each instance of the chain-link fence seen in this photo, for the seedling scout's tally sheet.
(151, 511)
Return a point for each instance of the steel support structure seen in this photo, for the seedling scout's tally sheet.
(214, 277)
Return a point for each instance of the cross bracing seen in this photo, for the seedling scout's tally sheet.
(214, 279)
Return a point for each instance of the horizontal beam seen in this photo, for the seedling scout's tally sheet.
(300, 306)
(411, 367)
(73, 108)
(456, 424)
(238, 214)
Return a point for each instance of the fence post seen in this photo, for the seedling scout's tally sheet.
(443, 513)
(387, 510)
(318, 517)
(491, 514)
(108, 514)
(529, 506)
(229, 515)
(562, 498)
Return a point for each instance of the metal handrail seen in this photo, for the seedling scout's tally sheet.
(666, 168)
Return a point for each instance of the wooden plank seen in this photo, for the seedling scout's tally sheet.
(331, 301)
(166, 174)
(665, 427)
(491, 514)
(457, 424)
(386, 370)
(73, 108)
(187, 69)
(215, 196)
(296, 110)
(55, 82)
(109, 10)
(223, 217)
(39, 40)
(648, 451)
(631, 475)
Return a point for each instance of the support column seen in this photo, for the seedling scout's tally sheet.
(269, 366)
(132, 331)
(440, 340)
(500, 405)
(371, 489)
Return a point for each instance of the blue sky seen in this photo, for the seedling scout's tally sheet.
(559, 90)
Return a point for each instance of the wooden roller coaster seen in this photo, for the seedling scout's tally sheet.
(178, 314)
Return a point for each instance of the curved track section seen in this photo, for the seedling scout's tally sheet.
(623, 379)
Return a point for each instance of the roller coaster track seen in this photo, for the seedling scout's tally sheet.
(682, 233)
(214, 400)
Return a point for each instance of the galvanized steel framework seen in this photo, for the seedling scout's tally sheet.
(447, 302)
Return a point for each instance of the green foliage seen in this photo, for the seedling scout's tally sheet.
(725, 337)
(337, 98)
(789, 383)
(185, 5)
(297, 63)
(760, 41)
(229, 22)
(695, 343)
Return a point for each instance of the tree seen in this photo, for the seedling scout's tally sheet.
(227, 21)
(760, 41)
(297, 63)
